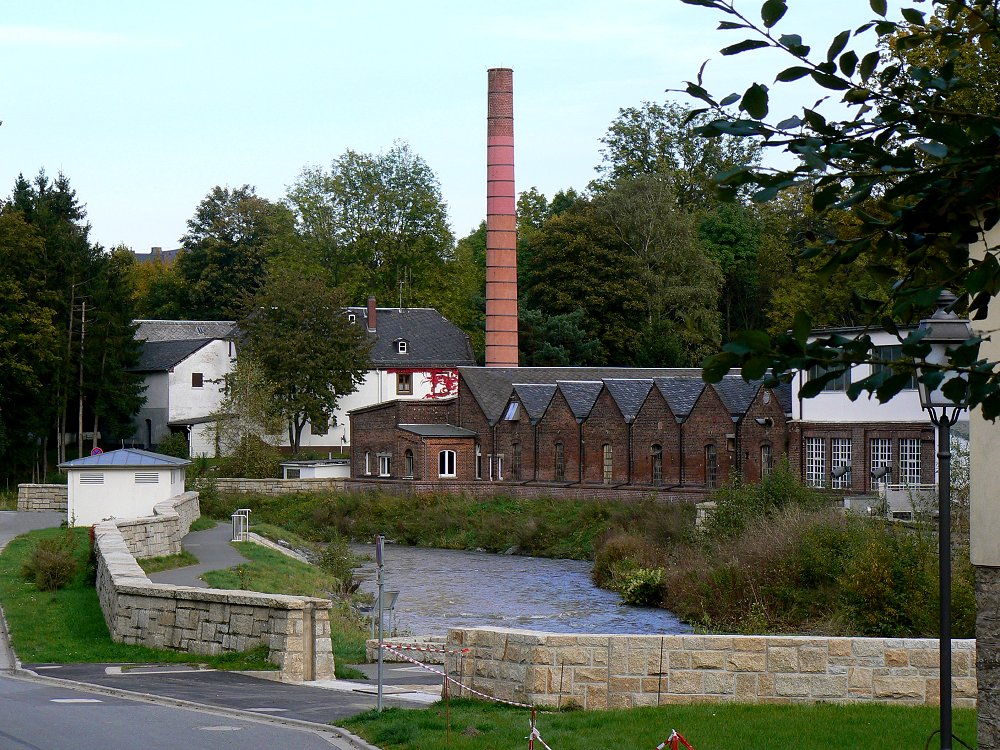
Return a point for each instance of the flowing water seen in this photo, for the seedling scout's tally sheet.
(439, 589)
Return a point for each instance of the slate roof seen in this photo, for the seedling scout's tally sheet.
(431, 339)
(492, 386)
(437, 430)
(784, 395)
(580, 395)
(629, 395)
(125, 458)
(159, 356)
(737, 394)
(183, 330)
(535, 398)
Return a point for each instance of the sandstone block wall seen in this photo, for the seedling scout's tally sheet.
(42, 497)
(619, 671)
(275, 487)
(988, 661)
(296, 630)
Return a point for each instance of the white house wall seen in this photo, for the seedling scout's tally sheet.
(213, 361)
(118, 496)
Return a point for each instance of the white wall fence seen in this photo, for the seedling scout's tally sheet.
(621, 671)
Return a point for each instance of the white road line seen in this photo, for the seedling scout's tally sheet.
(75, 700)
(267, 710)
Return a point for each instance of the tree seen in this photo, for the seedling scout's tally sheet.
(298, 335)
(378, 224)
(557, 340)
(912, 162)
(226, 251)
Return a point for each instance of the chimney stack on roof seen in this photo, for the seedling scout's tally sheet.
(501, 223)
(371, 313)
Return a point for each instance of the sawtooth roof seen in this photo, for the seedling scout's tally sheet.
(535, 398)
(630, 395)
(681, 394)
(580, 395)
(431, 339)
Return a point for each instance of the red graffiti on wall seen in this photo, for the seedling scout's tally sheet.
(443, 383)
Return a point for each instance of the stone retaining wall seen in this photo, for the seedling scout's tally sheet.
(295, 629)
(276, 486)
(484, 489)
(617, 671)
(42, 497)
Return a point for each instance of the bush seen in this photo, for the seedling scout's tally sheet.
(174, 444)
(51, 564)
(643, 587)
(252, 459)
(619, 553)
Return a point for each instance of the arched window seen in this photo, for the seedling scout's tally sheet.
(656, 461)
(608, 463)
(408, 464)
(766, 460)
(711, 467)
(515, 462)
(446, 463)
(479, 461)
(560, 463)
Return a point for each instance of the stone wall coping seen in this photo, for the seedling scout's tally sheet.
(226, 596)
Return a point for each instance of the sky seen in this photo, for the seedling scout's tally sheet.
(146, 106)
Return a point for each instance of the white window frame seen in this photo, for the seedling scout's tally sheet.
(368, 463)
(879, 455)
(840, 455)
(401, 346)
(815, 450)
(385, 464)
(608, 465)
(766, 460)
(909, 461)
(446, 464)
(479, 461)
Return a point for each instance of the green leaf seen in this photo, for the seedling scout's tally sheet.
(914, 16)
(793, 73)
(837, 45)
(772, 11)
(868, 64)
(716, 367)
(879, 6)
(830, 82)
(754, 101)
(744, 46)
(801, 326)
(848, 63)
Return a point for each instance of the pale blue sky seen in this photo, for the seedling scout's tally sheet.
(147, 105)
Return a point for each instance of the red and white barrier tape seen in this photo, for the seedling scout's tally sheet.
(536, 736)
(427, 649)
(465, 688)
(673, 740)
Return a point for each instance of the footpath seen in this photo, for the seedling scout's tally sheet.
(314, 705)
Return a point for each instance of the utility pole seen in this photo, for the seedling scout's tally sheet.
(83, 333)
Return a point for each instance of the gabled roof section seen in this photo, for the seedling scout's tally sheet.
(783, 392)
(580, 395)
(437, 430)
(681, 394)
(737, 394)
(431, 339)
(160, 356)
(535, 398)
(629, 395)
(183, 330)
(125, 458)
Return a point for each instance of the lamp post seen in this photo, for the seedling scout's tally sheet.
(944, 331)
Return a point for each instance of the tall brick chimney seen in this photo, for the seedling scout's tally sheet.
(371, 314)
(501, 223)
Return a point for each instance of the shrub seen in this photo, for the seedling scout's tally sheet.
(252, 458)
(51, 564)
(174, 444)
(617, 554)
(643, 587)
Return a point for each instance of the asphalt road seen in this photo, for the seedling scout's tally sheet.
(37, 716)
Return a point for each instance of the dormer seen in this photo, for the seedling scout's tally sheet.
(402, 346)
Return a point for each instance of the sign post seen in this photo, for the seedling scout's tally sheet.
(379, 544)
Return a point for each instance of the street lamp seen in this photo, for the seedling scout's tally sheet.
(944, 331)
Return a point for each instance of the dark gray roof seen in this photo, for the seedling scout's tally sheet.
(681, 394)
(437, 430)
(492, 386)
(737, 394)
(318, 462)
(784, 394)
(183, 330)
(629, 395)
(125, 458)
(535, 398)
(580, 395)
(431, 339)
(158, 356)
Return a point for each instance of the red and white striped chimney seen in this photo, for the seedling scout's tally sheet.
(501, 223)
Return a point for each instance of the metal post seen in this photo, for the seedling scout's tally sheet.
(379, 542)
(944, 573)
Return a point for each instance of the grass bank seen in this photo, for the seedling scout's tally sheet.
(67, 625)
(472, 725)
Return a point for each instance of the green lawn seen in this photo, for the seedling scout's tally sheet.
(67, 625)
(473, 725)
(167, 562)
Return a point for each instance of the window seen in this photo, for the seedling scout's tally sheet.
(560, 462)
(321, 426)
(479, 461)
(499, 467)
(197, 380)
(909, 460)
(656, 456)
(839, 383)
(766, 460)
(408, 464)
(711, 467)
(401, 346)
(515, 462)
(880, 460)
(816, 462)
(404, 384)
(889, 353)
(293, 473)
(840, 457)
(351, 317)
(384, 464)
(446, 464)
(511, 414)
(368, 463)
(608, 465)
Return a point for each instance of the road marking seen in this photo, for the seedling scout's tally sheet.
(121, 671)
(221, 728)
(267, 710)
(52, 666)
(75, 700)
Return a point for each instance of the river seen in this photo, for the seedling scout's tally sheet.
(440, 589)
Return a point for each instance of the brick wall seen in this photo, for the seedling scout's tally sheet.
(295, 629)
(621, 671)
(558, 426)
(655, 424)
(708, 424)
(42, 497)
(751, 436)
(605, 427)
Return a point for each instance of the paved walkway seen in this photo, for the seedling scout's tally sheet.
(214, 552)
